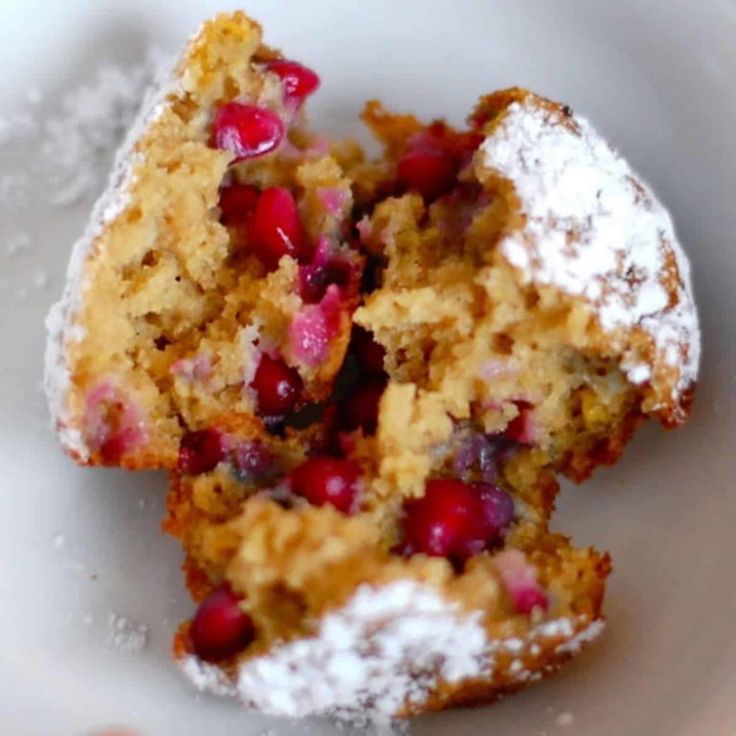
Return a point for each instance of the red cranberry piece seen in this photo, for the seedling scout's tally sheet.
(521, 428)
(275, 230)
(201, 451)
(220, 627)
(498, 508)
(246, 130)
(448, 521)
(237, 203)
(359, 409)
(327, 480)
(299, 81)
(316, 279)
(428, 169)
(277, 386)
(368, 352)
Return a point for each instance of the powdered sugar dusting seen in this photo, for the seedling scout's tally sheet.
(593, 229)
(60, 320)
(388, 646)
(386, 649)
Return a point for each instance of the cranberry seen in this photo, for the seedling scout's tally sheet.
(448, 521)
(277, 386)
(498, 508)
(246, 130)
(359, 409)
(201, 451)
(220, 627)
(427, 168)
(275, 230)
(327, 480)
(521, 428)
(369, 353)
(299, 81)
(315, 279)
(237, 203)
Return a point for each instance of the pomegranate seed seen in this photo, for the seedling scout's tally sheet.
(369, 353)
(428, 169)
(299, 81)
(275, 230)
(315, 279)
(237, 203)
(220, 627)
(253, 462)
(359, 409)
(277, 386)
(246, 130)
(448, 521)
(521, 428)
(519, 579)
(498, 508)
(527, 599)
(201, 451)
(327, 480)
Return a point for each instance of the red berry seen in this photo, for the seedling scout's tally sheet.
(278, 387)
(201, 451)
(498, 508)
(429, 169)
(275, 229)
(315, 279)
(299, 81)
(359, 409)
(521, 428)
(327, 480)
(370, 354)
(246, 130)
(448, 521)
(220, 627)
(237, 203)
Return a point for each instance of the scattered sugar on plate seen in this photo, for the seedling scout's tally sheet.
(40, 280)
(125, 634)
(565, 719)
(71, 150)
(17, 244)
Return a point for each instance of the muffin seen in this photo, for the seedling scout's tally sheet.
(365, 377)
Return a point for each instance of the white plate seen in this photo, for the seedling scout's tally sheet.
(657, 79)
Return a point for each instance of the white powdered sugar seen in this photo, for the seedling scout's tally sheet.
(593, 229)
(388, 647)
(60, 321)
(125, 634)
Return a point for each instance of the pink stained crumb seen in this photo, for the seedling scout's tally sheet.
(193, 370)
(314, 326)
(333, 199)
(520, 580)
(112, 424)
